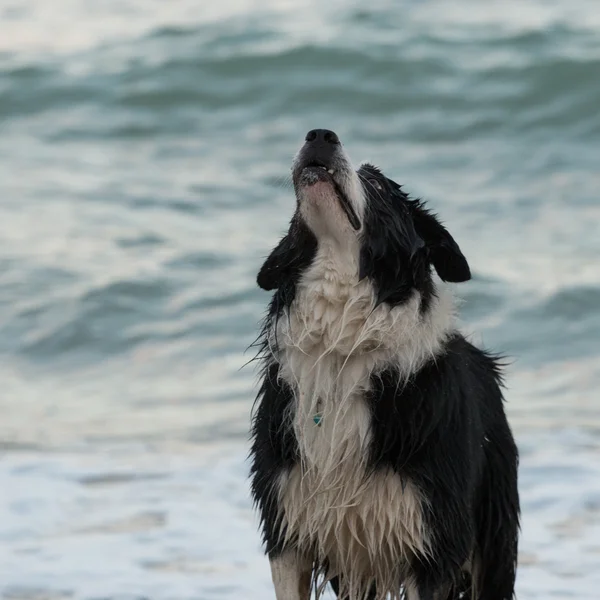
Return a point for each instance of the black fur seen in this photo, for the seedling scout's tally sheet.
(444, 429)
(393, 255)
(289, 259)
(274, 450)
(402, 240)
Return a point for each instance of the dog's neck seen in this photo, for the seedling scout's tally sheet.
(335, 313)
(334, 269)
(329, 343)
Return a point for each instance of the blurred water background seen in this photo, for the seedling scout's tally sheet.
(145, 149)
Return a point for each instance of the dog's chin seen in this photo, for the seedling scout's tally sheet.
(321, 210)
(323, 205)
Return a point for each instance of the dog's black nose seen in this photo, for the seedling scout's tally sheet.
(322, 135)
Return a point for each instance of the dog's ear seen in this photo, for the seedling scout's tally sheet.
(446, 257)
(275, 268)
(290, 257)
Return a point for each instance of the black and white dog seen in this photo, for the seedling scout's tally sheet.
(382, 460)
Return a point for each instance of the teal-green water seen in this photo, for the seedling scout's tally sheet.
(145, 149)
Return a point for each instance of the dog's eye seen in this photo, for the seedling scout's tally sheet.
(376, 184)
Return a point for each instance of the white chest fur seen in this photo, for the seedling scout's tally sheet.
(329, 344)
(332, 340)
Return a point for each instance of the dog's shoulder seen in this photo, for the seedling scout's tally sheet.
(455, 394)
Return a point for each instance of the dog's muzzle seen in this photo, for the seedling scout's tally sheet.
(321, 159)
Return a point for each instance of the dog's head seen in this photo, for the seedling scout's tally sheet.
(397, 239)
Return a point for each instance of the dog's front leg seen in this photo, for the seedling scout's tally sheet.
(291, 576)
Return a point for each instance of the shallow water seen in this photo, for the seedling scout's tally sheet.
(144, 160)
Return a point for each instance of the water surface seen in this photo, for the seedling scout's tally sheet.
(144, 174)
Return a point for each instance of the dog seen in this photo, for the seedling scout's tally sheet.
(382, 462)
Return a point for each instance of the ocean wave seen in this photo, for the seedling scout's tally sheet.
(448, 95)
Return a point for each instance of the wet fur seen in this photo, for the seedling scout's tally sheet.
(409, 482)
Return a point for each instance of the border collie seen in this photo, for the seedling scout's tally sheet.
(382, 460)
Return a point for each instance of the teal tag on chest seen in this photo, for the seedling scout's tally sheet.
(318, 418)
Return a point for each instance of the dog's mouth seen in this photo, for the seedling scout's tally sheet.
(317, 164)
(315, 171)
